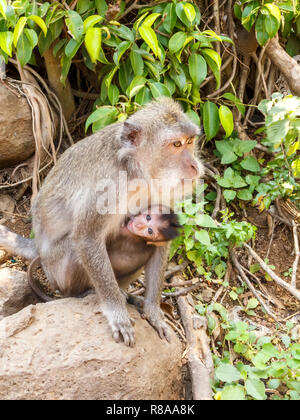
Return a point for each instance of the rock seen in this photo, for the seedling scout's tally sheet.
(16, 136)
(64, 350)
(15, 292)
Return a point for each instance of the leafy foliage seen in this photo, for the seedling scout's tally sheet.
(268, 17)
(162, 53)
(264, 366)
(282, 138)
(206, 242)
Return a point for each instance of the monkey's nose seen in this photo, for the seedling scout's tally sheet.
(140, 225)
(195, 170)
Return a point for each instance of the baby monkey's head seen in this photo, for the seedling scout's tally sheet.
(156, 225)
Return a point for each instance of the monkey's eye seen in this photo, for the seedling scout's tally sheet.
(148, 217)
(190, 140)
(150, 231)
(177, 144)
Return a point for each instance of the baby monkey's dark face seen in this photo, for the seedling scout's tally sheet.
(154, 226)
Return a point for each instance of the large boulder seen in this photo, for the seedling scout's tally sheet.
(15, 292)
(64, 350)
(16, 135)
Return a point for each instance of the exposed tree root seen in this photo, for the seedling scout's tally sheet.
(198, 352)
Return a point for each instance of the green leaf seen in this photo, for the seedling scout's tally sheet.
(182, 14)
(250, 164)
(3, 6)
(204, 220)
(244, 146)
(150, 19)
(39, 21)
(91, 21)
(214, 68)
(236, 102)
(123, 32)
(137, 63)
(194, 117)
(261, 31)
(273, 383)
(197, 69)
(103, 114)
(72, 47)
(179, 78)
(113, 94)
(135, 86)
(229, 195)
(101, 6)
(226, 119)
(24, 49)
(171, 17)
(82, 6)
(159, 89)
(177, 41)
(211, 120)
(203, 237)
(150, 38)
(245, 195)
(189, 11)
(65, 67)
(6, 40)
(226, 150)
(252, 303)
(278, 130)
(249, 14)
(233, 393)
(213, 55)
(92, 41)
(143, 96)
(19, 29)
(227, 373)
(255, 388)
(32, 36)
(122, 48)
(75, 24)
(271, 25)
(274, 11)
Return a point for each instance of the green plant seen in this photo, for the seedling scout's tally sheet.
(282, 138)
(233, 180)
(162, 53)
(268, 18)
(205, 242)
(265, 367)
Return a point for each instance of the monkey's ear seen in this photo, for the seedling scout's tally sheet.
(131, 133)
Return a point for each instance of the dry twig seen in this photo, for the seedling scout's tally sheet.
(273, 275)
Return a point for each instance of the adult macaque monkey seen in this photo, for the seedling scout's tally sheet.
(71, 233)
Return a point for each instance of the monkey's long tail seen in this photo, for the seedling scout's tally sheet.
(16, 244)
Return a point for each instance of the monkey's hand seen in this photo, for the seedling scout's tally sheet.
(155, 318)
(121, 324)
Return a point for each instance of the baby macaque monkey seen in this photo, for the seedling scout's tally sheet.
(128, 252)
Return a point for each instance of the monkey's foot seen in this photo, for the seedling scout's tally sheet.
(155, 319)
(121, 325)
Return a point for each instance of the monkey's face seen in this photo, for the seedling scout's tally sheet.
(178, 161)
(147, 226)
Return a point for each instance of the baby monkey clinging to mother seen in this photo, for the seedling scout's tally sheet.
(72, 236)
(128, 251)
